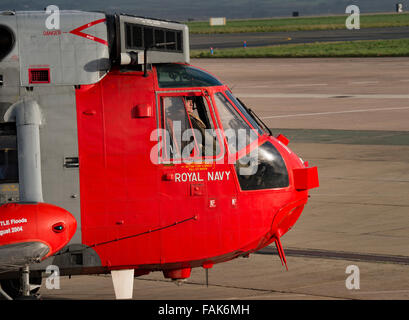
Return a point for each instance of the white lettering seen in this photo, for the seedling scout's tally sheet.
(210, 176)
(159, 135)
(3, 232)
(196, 177)
(227, 174)
(16, 229)
(23, 220)
(353, 21)
(169, 310)
(53, 281)
(353, 281)
(225, 309)
(4, 223)
(53, 21)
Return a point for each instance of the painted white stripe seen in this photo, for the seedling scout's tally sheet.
(322, 96)
(333, 112)
(307, 85)
(253, 87)
(364, 82)
(379, 292)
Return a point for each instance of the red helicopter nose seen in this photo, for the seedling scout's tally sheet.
(303, 179)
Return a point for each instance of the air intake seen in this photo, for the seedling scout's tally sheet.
(166, 42)
(6, 41)
(140, 37)
(39, 75)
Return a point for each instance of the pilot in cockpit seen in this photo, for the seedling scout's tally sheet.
(190, 111)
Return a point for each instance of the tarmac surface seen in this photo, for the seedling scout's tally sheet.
(349, 117)
(235, 40)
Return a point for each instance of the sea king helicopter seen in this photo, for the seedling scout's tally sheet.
(118, 156)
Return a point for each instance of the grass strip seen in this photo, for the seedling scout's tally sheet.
(299, 24)
(364, 48)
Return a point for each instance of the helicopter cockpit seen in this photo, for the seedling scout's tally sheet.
(201, 104)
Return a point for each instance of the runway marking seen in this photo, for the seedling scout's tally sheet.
(385, 292)
(321, 96)
(333, 112)
(307, 85)
(254, 87)
(364, 82)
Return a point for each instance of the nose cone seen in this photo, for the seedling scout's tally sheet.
(303, 179)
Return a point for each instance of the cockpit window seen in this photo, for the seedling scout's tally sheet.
(237, 131)
(264, 168)
(244, 112)
(184, 76)
(176, 122)
(189, 128)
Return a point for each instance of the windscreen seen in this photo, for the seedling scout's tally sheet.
(184, 76)
(244, 112)
(237, 131)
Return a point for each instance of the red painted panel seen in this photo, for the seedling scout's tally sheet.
(116, 177)
(306, 178)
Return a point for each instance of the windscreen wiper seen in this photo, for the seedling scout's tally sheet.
(256, 118)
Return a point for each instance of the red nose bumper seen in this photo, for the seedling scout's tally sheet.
(306, 178)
